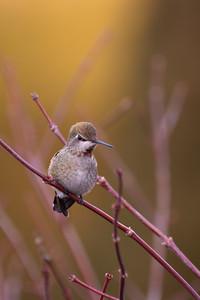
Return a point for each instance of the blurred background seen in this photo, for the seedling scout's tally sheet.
(99, 61)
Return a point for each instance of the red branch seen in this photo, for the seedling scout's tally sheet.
(45, 273)
(127, 230)
(54, 271)
(75, 279)
(76, 81)
(116, 238)
(54, 127)
(48, 262)
(174, 109)
(166, 240)
(108, 278)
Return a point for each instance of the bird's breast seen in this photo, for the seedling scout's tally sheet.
(78, 174)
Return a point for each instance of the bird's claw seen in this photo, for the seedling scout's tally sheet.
(80, 201)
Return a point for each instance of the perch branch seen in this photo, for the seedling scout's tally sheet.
(167, 241)
(127, 230)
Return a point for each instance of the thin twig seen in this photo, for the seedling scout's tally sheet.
(76, 80)
(108, 278)
(75, 279)
(118, 112)
(167, 241)
(182, 294)
(80, 255)
(46, 274)
(131, 184)
(162, 173)
(162, 125)
(24, 133)
(54, 271)
(127, 230)
(116, 238)
(133, 292)
(173, 111)
(53, 127)
(16, 240)
(49, 262)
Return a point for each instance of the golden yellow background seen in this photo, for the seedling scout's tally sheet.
(43, 46)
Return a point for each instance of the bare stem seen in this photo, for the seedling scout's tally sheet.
(167, 241)
(162, 172)
(131, 184)
(17, 242)
(127, 230)
(54, 127)
(116, 238)
(46, 274)
(49, 262)
(54, 271)
(80, 255)
(77, 79)
(118, 112)
(108, 278)
(75, 279)
(163, 121)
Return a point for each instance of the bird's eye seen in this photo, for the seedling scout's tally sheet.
(80, 138)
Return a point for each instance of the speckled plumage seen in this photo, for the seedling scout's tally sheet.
(77, 173)
(74, 166)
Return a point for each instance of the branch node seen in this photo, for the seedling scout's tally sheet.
(34, 96)
(53, 127)
(117, 205)
(116, 239)
(38, 240)
(109, 276)
(168, 242)
(101, 181)
(72, 277)
(123, 275)
(119, 172)
(47, 258)
(129, 232)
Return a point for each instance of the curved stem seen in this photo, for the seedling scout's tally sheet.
(127, 230)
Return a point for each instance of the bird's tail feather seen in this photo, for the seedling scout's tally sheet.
(61, 205)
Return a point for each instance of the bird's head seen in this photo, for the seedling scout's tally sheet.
(82, 137)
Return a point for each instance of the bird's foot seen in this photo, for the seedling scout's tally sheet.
(80, 201)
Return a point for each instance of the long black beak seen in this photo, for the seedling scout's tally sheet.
(103, 143)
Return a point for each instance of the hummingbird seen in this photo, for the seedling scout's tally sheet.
(74, 166)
